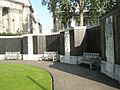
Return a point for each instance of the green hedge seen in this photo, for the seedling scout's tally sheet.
(9, 34)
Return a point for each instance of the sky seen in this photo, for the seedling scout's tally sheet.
(44, 15)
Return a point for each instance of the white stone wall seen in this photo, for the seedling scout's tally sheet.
(30, 45)
(109, 40)
(67, 45)
(62, 59)
(111, 70)
(109, 67)
(72, 59)
(67, 58)
(117, 72)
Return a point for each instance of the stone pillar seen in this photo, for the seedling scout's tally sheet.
(109, 40)
(10, 25)
(73, 22)
(1, 18)
(21, 21)
(28, 22)
(30, 45)
(109, 47)
(67, 46)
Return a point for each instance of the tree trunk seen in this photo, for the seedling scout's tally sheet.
(81, 9)
(54, 24)
(81, 19)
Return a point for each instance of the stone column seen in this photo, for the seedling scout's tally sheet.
(30, 45)
(1, 18)
(21, 20)
(10, 25)
(109, 40)
(67, 46)
(109, 47)
(73, 22)
(28, 22)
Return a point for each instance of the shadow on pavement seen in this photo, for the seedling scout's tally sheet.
(80, 71)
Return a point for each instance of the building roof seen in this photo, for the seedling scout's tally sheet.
(25, 2)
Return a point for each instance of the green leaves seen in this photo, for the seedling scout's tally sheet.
(67, 11)
(9, 34)
(64, 10)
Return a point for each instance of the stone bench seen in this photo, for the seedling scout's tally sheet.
(12, 55)
(49, 55)
(91, 59)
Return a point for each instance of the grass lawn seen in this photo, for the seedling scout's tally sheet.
(24, 77)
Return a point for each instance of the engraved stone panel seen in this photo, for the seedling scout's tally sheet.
(109, 39)
(67, 46)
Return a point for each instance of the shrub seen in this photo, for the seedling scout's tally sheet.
(9, 34)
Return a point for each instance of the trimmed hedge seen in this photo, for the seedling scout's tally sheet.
(9, 34)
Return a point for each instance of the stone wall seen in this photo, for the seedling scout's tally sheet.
(70, 44)
(12, 44)
(110, 43)
(77, 41)
(93, 39)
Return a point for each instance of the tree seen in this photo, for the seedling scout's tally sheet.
(67, 11)
(82, 4)
(99, 7)
(94, 8)
(109, 5)
(64, 9)
(60, 8)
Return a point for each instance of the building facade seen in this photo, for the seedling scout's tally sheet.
(16, 16)
(37, 27)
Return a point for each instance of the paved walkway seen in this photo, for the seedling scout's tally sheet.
(74, 77)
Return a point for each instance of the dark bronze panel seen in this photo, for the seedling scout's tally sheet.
(53, 42)
(10, 45)
(62, 46)
(25, 45)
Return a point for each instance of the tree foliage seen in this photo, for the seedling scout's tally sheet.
(66, 9)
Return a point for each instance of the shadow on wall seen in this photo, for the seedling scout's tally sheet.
(80, 41)
(77, 42)
(85, 40)
(93, 40)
